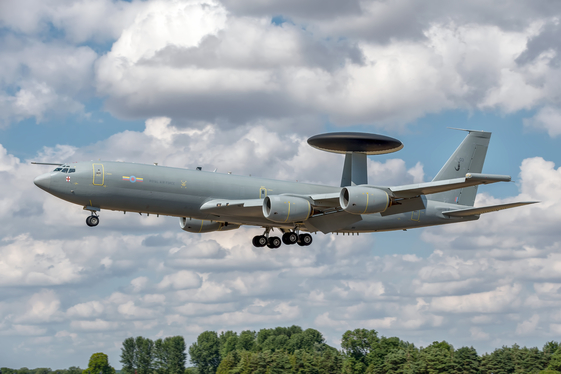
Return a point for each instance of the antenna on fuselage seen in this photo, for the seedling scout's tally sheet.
(356, 146)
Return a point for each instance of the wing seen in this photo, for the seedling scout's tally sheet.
(471, 179)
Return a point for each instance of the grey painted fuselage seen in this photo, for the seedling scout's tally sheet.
(152, 189)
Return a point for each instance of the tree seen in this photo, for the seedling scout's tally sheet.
(555, 361)
(228, 341)
(175, 353)
(99, 363)
(466, 361)
(205, 353)
(359, 343)
(74, 370)
(228, 363)
(246, 341)
(128, 356)
(436, 358)
(144, 355)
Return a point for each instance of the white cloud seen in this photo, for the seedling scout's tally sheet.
(529, 326)
(86, 310)
(181, 280)
(548, 119)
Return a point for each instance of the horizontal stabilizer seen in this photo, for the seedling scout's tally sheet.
(471, 179)
(484, 209)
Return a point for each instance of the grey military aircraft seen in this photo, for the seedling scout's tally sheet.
(210, 201)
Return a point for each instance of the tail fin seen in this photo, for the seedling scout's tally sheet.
(468, 158)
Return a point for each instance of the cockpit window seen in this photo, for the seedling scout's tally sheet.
(65, 170)
(71, 170)
(58, 169)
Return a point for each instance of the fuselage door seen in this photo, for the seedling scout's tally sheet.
(98, 175)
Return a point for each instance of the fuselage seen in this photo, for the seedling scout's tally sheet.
(161, 190)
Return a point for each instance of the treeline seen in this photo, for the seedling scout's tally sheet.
(70, 370)
(293, 350)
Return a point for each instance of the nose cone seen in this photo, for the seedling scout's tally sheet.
(43, 181)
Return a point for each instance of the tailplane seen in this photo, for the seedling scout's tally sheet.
(468, 158)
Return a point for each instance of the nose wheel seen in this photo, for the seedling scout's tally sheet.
(92, 220)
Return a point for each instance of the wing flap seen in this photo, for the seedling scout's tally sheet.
(330, 200)
(241, 208)
(485, 209)
(471, 179)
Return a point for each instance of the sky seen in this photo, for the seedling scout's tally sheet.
(239, 85)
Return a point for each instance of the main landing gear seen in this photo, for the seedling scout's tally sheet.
(92, 220)
(288, 238)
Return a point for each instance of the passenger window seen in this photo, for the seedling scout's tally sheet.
(71, 170)
(65, 170)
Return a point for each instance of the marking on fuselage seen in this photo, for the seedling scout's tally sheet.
(183, 184)
(133, 179)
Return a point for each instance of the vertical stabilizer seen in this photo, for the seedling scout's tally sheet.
(468, 158)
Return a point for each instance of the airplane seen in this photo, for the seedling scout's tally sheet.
(210, 201)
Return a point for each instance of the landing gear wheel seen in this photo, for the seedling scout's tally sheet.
(92, 221)
(304, 240)
(274, 242)
(259, 241)
(289, 238)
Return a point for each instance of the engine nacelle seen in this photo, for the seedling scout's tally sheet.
(364, 200)
(286, 209)
(201, 226)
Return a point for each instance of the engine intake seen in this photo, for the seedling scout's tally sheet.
(286, 209)
(364, 200)
(201, 226)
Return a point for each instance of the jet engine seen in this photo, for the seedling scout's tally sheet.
(201, 226)
(364, 200)
(286, 209)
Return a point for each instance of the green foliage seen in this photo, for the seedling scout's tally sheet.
(205, 353)
(246, 341)
(436, 358)
(358, 343)
(555, 361)
(128, 356)
(99, 364)
(169, 355)
(466, 361)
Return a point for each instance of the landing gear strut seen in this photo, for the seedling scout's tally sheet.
(92, 220)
